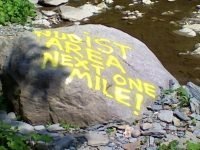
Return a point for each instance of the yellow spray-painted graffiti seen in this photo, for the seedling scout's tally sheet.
(88, 57)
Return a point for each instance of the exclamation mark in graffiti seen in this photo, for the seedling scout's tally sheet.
(139, 100)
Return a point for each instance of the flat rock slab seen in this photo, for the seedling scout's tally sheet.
(83, 74)
(166, 115)
(96, 139)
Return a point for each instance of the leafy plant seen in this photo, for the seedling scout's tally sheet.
(68, 126)
(183, 97)
(193, 146)
(110, 130)
(12, 140)
(173, 145)
(16, 11)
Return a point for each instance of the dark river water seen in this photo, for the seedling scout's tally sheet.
(156, 32)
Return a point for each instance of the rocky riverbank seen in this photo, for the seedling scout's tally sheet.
(174, 116)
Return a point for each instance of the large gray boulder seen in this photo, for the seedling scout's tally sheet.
(82, 75)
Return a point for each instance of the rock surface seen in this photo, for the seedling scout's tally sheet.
(54, 2)
(105, 77)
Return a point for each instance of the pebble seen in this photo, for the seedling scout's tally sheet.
(39, 127)
(146, 126)
(181, 115)
(96, 139)
(186, 32)
(55, 127)
(166, 115)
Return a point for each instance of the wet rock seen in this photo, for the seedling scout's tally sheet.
(91, 8)
(194, 27)
(196, 52)
(74, 14)
(181, 115)
(55, 127)
(146, 126)
(54, 2)
(186, 32)
(63, 142)
(108, 1)
(118, 7)
(166, 115)
(147, 2)
(96, 139)
(167, 13)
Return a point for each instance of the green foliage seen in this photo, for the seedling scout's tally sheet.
(16, 11)
(110, 130)
(183, 97)
(10, 138)
(173, 145)
(193, 146)
(68, 126)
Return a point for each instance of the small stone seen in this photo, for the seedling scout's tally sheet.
(12, 116)
(96, 139)
(151, 141)
(166, 115)
(186, 32)
(146, 126)
(108, 1)
(136, 133)
(157, 126)
(195, 116)
(130, 146)
(55, 127)
(176, 121)
(181, 115)
(197, 133)
(55, 2)
(48, 13)
(39, 127)
(197, 45)
(111, 144)
(133, 140)
(155, 107)
(154, 133)
(118, 7)
(24, 128)
(172, 128)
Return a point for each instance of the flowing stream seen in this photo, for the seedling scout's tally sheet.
(156, 31)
